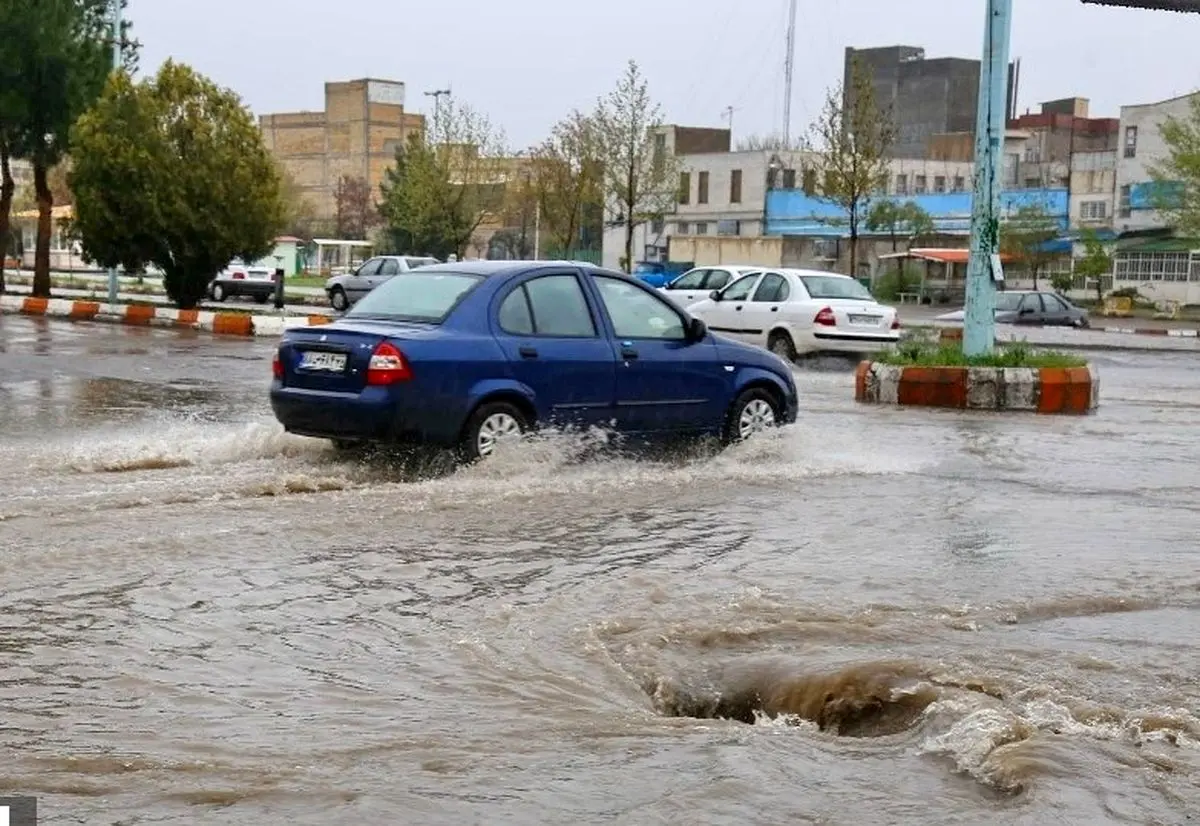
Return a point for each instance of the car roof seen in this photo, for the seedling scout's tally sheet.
(797, 271)
(490, 269)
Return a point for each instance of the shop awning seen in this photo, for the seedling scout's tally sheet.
(939, 255)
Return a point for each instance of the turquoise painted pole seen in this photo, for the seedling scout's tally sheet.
(112, 272)
(979, 319)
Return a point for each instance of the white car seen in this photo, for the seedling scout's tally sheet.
(697, 284)
(798, 312)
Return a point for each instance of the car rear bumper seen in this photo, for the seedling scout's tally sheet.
(374, 415)
(845, 342)
(266, 288)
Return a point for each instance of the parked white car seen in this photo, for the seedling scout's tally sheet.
(799, 312)
(698, 283)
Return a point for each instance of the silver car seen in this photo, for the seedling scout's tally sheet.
(344, 290)
(697, 284)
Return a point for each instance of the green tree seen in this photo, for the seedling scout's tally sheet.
(173, 172)
(1177, 175)
(905, 219)
(1026, 236)
(853, 137)
(640, 176)
(567, 173)
(1097, 262)
(57, 55)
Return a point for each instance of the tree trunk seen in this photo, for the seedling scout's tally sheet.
(7, 189)
(1034, 272)
(853, 242)
(628, 263)
(1099, 291)
(41, 258)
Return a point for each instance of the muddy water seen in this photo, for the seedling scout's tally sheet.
(875, 616)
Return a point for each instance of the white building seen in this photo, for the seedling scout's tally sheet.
(1093, 189)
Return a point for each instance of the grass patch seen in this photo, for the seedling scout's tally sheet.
(1019, 354)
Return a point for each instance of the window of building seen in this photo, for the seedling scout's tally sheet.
(960, 183)
(901, 184)
(920, 185)
(1155, 266)
(657, 226)
(1125, 206)
(702, 189)
(729, 227)
(682, 228)
(810, 181)
(701, 228)
(1093, 210)
(939, 183)
(685, 187)
(1131, 141)
(660, 152)
(789, 179)
(735, 186)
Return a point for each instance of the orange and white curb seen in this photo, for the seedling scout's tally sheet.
(1035, 390)
(138, 315)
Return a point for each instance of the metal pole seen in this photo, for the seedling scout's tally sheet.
(537, 230)
(788, 66)
(112, 271)
(979, 322)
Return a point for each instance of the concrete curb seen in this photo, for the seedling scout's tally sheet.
(218, 323)
(1070, 390)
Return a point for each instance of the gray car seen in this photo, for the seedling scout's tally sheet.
(1032, 307)
(344, 290)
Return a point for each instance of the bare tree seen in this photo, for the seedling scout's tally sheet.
(771, 143)
(853, 136)
(354, 209)
(640, 176)
(568, 177)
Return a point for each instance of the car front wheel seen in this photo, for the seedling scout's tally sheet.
(218, 293)
(781, 345)
(338, 300)
(752, 412)
(492, 425)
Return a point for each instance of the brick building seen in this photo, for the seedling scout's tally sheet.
(355, 135)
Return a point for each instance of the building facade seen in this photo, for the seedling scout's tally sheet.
(356, 135)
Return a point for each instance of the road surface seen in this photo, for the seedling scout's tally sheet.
(961, 618)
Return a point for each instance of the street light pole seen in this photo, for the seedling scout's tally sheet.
(979, 319)
(116, 14)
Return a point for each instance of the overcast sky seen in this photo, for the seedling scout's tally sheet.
(528, 62)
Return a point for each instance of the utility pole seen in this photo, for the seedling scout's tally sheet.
(789, 66)
(437, 96)
(116, 34)
(727, 114)
(979, 321)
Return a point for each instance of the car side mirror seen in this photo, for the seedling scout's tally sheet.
(715, 295)
(696, 330)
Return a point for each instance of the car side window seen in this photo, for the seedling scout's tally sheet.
(1032, 302)
(559, 308)
(370, 267)
(390, 266)
(693, 280)
(514, 316)
(1053, 303)
(717, 279)
(636, 313)
(740, 289)
(773, 288)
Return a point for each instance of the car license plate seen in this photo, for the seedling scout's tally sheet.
(865, 319)
(324, 362)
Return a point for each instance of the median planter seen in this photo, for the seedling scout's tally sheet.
(1015, 379)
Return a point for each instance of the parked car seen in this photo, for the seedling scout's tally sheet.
(344, 290)
(696, 285)
(658, 273)
(799, 312)
(468, 354)
(1031, 307)
(239, 279)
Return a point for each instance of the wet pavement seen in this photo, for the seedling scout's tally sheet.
(875, 616)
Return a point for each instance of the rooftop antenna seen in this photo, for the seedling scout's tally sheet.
(437, 96)
(727, 115)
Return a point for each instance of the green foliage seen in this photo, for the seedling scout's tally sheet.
(1097, 261)
(905, 219)
(893, 282)
(1024, 236)
(915, 353)
(854, 135)
(173, 172)
(567, 175)
(1177, 174)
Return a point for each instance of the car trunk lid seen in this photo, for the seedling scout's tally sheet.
(860, 315)
(335, 357)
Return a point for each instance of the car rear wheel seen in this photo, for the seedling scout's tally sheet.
(337, 298)
(219, 293)
(752, 412)
(260, 298)
(493, 424)
(780, 343)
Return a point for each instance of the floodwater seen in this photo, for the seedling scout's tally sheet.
(875, 616)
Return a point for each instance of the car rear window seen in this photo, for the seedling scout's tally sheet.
(827, 286)
(416, 296)
(413, 263)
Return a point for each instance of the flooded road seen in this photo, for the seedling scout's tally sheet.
(875, 616)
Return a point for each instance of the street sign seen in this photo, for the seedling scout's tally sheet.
(1154, 5)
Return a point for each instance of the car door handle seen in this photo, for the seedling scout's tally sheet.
(738, 308)
(628, 353)
(774, 309)
(528, 353)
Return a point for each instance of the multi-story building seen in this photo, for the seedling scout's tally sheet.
(356, 135)
(925, 97)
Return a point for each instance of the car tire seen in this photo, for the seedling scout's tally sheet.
(219, 293)
(345, 445)
(489, 423)
(261, 299)
(780, 343)
(338, 300)
(753, 411)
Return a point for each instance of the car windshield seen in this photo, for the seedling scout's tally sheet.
(1008, 302)
(413, 263)
(416, 296)
(829, 286)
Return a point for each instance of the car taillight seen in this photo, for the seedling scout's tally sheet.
(387, 366)
(896, 323)
(239, 276)
(826, 318)
(277, 366)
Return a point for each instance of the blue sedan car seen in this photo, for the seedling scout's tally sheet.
(466, 354)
